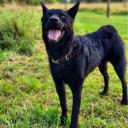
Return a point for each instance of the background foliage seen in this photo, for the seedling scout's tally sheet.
(37, 2)
(15, 33)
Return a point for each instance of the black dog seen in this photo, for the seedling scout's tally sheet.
(72, 58)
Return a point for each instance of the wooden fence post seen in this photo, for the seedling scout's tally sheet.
(108, 9)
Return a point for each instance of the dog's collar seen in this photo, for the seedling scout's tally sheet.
(55, 61)
(71, 54)
(60, 60)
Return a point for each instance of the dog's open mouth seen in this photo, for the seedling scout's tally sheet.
(55, 34)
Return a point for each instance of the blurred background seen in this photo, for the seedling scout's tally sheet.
(36, 2)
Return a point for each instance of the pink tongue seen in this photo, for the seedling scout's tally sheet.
(54, 34)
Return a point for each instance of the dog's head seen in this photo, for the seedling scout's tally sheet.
(56, 23)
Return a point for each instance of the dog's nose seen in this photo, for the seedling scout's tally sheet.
(54, 20)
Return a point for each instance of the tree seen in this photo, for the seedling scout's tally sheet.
(108, 9)
(65, 4)
(125, 2)
(43, 1)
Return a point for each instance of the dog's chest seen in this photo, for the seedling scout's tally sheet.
(63, 71)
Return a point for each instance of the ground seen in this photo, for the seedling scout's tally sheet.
(28, 98)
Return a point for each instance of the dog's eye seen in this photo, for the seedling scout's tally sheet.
(63, 17)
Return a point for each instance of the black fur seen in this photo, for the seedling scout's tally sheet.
(92, 50)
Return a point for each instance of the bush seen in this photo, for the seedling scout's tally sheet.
(31, 2)
(5, 1)
(53, 1)
(2, 1)
(14, 36)
(36, 2)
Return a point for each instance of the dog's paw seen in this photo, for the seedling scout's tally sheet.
(73, 126)
(124, 102)
(63, 120)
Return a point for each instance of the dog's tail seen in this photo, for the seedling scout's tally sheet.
(112, 39)
(108, 32)
(110, 36)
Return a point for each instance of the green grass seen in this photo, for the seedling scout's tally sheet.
(14, 32)
(27, 94)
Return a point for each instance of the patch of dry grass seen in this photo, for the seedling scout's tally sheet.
(114, 6)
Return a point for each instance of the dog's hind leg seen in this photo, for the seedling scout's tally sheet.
(118, 60)
(103, 70)
(120, 67)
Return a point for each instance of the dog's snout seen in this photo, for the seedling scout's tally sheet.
(54, 20)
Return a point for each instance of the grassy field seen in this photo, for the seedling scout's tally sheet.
(27, 94)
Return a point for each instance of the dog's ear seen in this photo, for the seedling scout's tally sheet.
(73, 11)
(44, 8)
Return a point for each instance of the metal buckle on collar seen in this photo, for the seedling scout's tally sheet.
(58, 61)
(55, 61)
(66, 57)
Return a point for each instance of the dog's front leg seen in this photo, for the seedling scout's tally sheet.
(76, 90)
(62, 97)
